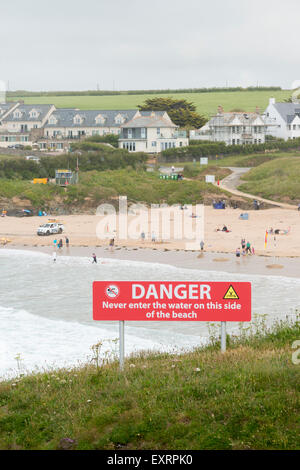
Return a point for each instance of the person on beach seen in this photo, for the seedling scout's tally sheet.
(238, 252)
(253, 251)
(67, 242)
(243, 252)
(94, 258)
(54, 256)
(248, 248)
(143, 236)
(111, 244)
(202, 245)
(60, 244)
(54, 243)
(153, 237)
(243, 243)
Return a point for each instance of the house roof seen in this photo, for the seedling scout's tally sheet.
(4, 107)
(150, 119)
(25, 109)
(227, 119)
(65, 117)
(287, 110)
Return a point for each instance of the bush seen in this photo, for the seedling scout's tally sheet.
(220, 148)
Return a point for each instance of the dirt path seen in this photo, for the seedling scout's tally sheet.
(231, 182)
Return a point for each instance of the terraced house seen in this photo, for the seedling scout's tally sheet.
(23, 123)
(46, 128)
(65, 125)
(234, 128)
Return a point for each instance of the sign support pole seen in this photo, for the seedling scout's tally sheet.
(223, 336)
(121, 344)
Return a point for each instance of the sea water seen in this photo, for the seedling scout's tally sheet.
(46, 309)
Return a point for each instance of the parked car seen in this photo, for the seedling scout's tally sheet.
(33, 158)
(50, 228)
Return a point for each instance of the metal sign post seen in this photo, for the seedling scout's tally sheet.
(223, 336)
(121, 344)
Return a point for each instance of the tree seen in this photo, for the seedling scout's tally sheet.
(181, 112)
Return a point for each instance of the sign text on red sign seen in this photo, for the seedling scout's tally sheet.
(171, 301)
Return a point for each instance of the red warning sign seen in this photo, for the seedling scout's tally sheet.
(171, 301)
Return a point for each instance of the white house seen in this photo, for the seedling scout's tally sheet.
(234, 128)
(151, 132)
(283, 119)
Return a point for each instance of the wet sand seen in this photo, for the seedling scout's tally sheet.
(222, 262)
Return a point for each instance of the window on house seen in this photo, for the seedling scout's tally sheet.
(129, 133)
(153, 144)
(294, 127)
(158, 130)
(143, 132)
(233, 141)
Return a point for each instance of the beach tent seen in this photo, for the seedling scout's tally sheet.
(244, 216)
(219, 205)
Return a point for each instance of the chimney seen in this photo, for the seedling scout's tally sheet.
(272, 101)
(257, 110)
(220, 109)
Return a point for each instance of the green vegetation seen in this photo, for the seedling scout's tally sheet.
(112, 139)
(198, 172)
(181, 112)
(220, 149)
(247, 398)
(17, 93)
(93, 156)
(277, 180)
(96, 187)
(206, 103)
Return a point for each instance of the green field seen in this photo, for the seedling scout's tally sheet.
(247, 398)
(206, 103)
(278, 180)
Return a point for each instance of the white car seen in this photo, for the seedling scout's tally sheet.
(50, 228)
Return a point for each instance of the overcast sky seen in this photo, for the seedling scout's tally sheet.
(135, 44)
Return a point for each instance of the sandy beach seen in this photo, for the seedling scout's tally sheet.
(81, 230)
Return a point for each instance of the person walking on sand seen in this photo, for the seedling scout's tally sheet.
(54, 243)
(238, 252)
(143, 236)
(248, 248)
(252, 250)
(153, 237)
(67, 242)
(202, 245)
(60, 244)
(94, 258)
(243, 243)
(111, 244)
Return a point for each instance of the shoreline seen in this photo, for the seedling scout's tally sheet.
(206, 261)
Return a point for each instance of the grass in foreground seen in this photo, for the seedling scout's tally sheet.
(247, 398)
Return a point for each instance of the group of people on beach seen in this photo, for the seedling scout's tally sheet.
(246, 249)
(59, 245)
